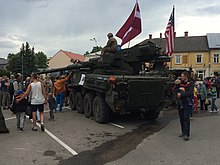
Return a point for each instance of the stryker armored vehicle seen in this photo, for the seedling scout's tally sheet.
(115, 85)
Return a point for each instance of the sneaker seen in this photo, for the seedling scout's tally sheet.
(42, 127)
(21, 130)
(34, 129)
(186, 138)
(217, 110)
(181, 135)
(191, 118)
(210, 111)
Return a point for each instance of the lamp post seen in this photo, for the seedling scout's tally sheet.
(22, 66)
(94, 39)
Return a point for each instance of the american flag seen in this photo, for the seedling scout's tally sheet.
(169, 35)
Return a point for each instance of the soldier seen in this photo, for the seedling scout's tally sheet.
(111, 46)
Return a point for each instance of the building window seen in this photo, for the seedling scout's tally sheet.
(199, 58)
(178, 59)
(201, 74)
(216, 58)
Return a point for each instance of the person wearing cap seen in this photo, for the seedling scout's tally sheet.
(111, 46)
(59, 90)
(17, 84)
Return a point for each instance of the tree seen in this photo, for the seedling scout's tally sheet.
(4, 72)
(41, 60)
(94, 50)
(30, 61)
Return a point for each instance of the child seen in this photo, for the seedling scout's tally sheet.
(19, 109)
(52, 105)
(213, 93)
(179, 87)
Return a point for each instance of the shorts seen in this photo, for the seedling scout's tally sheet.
(39, 107)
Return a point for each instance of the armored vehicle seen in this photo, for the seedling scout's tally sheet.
(115, 85)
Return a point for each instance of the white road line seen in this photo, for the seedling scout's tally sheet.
(10, 118)
(58, 141)
(67, 107)
(116, 125)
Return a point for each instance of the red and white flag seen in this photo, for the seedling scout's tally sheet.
(132, 27)
(169, 35)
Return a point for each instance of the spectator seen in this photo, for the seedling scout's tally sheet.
(5, 92)
(38, 98)
(19, 110)
(17, 84)
(196, 99)
(217, 81)
(52, 104)
(213, 93)
(185, 94)
(11, 89)
(49, 85)
(59, 91)
(202, 96)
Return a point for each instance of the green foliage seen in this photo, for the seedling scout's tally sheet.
(4, 72)
(94, 50)
(41, 60)
(31, 61)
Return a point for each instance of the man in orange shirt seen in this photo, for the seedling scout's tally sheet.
(59, 91)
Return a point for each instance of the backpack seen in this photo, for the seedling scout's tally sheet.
(11, 87)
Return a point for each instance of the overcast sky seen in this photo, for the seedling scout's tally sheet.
(51, 25)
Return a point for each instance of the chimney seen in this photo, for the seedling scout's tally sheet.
(186, 34)
(174, 34)
(150, 36)
(160, 35)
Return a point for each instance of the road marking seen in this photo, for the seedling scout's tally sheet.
(24, 149)
(67, 107)
(60, 141)
(74, 153)
(10, 118)
(116, 125)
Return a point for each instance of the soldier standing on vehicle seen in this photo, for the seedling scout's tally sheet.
(111, 46)
(185, 94)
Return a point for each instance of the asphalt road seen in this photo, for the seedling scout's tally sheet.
(126, 140)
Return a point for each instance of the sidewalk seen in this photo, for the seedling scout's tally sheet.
(166, 148)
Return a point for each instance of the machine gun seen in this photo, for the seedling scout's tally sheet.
(129, 61)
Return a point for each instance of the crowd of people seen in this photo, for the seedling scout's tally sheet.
(192, 93)
(30, 96)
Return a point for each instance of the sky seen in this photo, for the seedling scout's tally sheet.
(51, 25)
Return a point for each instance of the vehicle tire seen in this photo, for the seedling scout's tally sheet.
(151, 115)
(101, 110)
(72, 101)
(88, 105)
(79, 102)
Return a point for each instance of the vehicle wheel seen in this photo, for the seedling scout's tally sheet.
(79, 102)
(101, 110)
(88, 105)
(72, 103)
(151, 115)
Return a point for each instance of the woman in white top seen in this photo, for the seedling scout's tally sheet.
(38, 98)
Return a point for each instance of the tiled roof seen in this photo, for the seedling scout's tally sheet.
(3, 61)
(183, 44)
(213, 40)
(74, 56)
